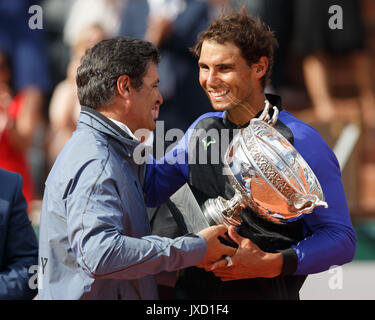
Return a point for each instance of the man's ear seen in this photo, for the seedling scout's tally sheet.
(261, 67)
(123, 85)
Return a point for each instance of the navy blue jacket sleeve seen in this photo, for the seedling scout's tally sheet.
(165, 176)
(18, 247)
(330, 239)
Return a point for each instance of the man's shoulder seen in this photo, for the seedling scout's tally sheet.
(299, 128)
(307, 140)
(9, 182)
(8, 176)
(83, 151)
(84, 144)
(289, 119)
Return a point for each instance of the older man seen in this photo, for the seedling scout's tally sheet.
(95, 238)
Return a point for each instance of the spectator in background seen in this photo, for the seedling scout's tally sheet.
(55, 15)
(278, 15)
(18, 243)
(13, 147)
(64, 106)
(173, 26)
(85, 13)
(325, 43)
(29, 83)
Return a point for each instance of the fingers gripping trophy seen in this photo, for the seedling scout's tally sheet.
(268, 175)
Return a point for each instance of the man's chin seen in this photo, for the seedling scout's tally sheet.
(217, 106)
(152, 126)
(143, 133)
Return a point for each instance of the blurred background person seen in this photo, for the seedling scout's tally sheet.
(278, 15)
(14, 138)
(64, 107)
(86, 23)
(338, 75)
(84, 13)
(324, 43)
(29, 83)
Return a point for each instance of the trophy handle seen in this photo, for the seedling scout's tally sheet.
(265, 114)
(306, 203)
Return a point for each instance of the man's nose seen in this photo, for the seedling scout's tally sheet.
(159, 98)
(212, 79)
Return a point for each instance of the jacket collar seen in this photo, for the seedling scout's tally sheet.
(99, 122)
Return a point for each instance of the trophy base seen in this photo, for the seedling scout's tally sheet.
(221, 211)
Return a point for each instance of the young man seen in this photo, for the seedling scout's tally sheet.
(235, 60)
(95, 238)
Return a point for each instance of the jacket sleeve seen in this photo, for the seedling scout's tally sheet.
(21, 250)
(98, 230)
(165, 176)
(330, 238)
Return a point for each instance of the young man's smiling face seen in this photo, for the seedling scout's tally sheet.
(225, 76)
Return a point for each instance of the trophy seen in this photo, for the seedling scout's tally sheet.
(268, 175)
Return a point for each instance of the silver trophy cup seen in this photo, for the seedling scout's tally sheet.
(268, 175)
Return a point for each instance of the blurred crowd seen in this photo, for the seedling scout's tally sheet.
(324, 75)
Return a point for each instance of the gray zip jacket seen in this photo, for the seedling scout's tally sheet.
(94, 240)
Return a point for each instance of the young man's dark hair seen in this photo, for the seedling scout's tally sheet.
(106, 61)
(249, 34)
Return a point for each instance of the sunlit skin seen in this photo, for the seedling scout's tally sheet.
(136, 108)
(229, 82)
(144, 102)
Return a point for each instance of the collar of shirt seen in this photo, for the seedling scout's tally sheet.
(124, 127)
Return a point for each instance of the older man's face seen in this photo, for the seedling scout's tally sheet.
(146, 101)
